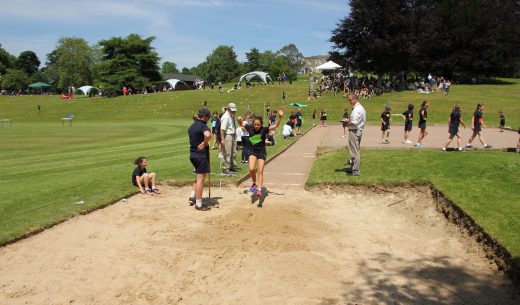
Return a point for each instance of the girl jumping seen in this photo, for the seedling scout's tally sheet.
(257, 152)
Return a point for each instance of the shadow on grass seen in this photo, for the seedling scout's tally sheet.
(391, 280)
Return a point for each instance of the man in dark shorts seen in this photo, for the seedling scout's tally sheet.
(199, 135)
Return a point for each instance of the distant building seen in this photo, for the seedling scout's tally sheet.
(311, 62)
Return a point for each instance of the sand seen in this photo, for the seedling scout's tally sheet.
(301, 247)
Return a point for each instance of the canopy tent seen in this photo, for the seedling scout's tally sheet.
(329, 65)
(39, 85)
(86, 89)
(263, 75)
(173, 82)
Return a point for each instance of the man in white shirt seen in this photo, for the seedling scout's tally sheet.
(228, 127)
(356, 124)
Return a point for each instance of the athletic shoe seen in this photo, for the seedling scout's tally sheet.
(202, 208)
(386, 141)
(252, 188)
(258, 193)
(487, 146)
(460, 149)
(419, 145)
(343, 136)
(408, 142)
(382, 142)
(226, 172)
(191, 200)
(444, 149)
(220, 155)
(469, 146)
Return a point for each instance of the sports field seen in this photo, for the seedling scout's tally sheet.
(49, 167)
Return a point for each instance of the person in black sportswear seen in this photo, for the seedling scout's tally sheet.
(200, 135)
(453, 123)
(142, 179)
(423, 116)
(385, 125)
(476, 125)
(257, 152)
(408, 122)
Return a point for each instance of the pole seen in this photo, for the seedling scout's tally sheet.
(209, 174)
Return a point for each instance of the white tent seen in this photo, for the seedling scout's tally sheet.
(86, 89)
(329, 65)
(263, 75)
(173, 82)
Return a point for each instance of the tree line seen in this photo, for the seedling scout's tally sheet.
(454, 38)
(133, 62)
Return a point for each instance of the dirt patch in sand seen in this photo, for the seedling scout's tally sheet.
(326, 246)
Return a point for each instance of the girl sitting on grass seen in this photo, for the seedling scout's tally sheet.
(142, 179)
(257, 152)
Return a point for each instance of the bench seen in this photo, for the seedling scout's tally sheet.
(63, 120)
(6, 121)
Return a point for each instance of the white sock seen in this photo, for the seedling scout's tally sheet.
(199, 203)
(153, 186)
(192, 194)
(149, 189)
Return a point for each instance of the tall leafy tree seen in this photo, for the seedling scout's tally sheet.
(6, 60)
(28, 61)
(253, 60)
(222, 64)
(294, 56)
(70, 64)
(15, 79)
(169, 67)
(130, 61)
(375, 37)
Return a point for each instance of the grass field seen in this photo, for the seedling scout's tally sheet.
(48, 167)
(484, 184)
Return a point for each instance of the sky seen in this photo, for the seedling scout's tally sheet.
(186, 31)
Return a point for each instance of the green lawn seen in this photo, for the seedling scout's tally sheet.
(484, 184)
(48, 167)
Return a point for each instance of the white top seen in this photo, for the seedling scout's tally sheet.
(286, 130)
(228, 124)
(358, 117)
(240, 133)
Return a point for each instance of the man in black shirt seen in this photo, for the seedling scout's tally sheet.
(199, 135)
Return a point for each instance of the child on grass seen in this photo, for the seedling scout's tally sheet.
(454, 121)
(142, 179)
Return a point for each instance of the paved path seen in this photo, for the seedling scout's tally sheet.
(291, 168)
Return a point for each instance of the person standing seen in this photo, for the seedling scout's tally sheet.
(408, 122)
(356, 124)
(228, 142)
(344, 122)
(200, 136)
(299, 122)
(477, 123)
(385, 125)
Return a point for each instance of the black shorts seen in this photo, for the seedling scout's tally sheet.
(408, 126)
(262, 155)
(385, 127)
(214, 130)
(200, 164)
(298, 124)
(477, 128)
(453, 131)
(422, 124)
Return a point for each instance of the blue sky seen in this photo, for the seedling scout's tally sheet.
(186, 31)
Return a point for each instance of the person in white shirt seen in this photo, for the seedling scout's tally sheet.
(228, 128)
(287, 130)
(356, 124)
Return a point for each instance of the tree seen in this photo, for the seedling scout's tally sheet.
(376, 36)
(222, 64)
(169, 67)
(130, 61)
(186, 71)
(276, 64)
(71, 63)
(28, 61)
(293, 55)
(39, 76)
(253, 60)
(6, 60)
(15, 79)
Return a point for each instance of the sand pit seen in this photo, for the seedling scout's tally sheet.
(319, 247)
